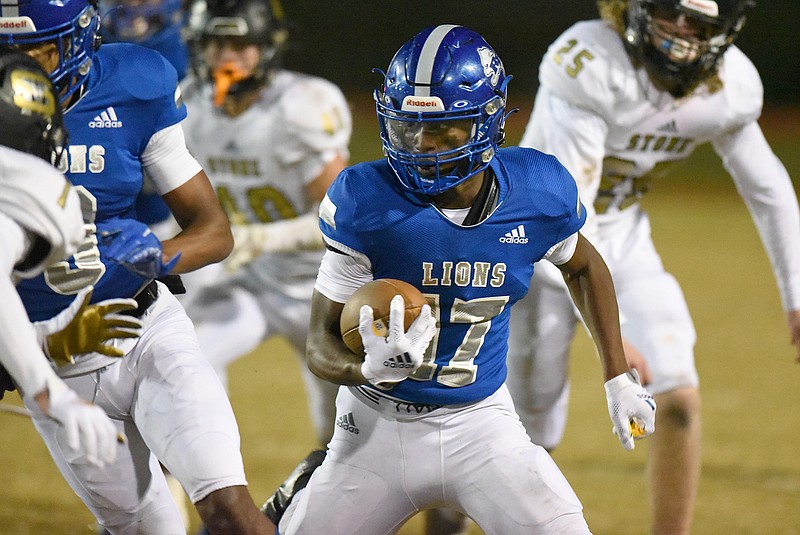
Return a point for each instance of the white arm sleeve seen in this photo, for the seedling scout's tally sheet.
(767, 190)
(20, 353)
(167, 161)
(561, 252)
(340, 275)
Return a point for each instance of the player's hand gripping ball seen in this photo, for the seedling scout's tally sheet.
(378, 294)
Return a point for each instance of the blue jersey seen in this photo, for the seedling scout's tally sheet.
(471, 275)
(130, 95)
(150, 207)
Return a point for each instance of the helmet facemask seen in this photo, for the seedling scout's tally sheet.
(441, 110)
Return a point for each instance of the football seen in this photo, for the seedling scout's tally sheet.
(378, 294)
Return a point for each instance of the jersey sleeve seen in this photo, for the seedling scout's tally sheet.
(318, 125)
(337, 216)
(744, 91)
(152, 80)
(574, 212)
(767, 190)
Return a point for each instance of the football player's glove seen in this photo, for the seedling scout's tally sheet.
(132, 244)
(89, 431)
(253, 239)
(389, 360)
(632, 408)
(84, 328)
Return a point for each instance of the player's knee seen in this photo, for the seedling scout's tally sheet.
(225, 509)
(678, 408)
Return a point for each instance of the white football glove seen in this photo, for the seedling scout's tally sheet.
(251, 240)
(389, 360)
(89, 430)
(632, 409)
(83, 328)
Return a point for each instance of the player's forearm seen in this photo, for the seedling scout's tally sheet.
(336, 364)
(765, 185)
(199, 245)
(326, 355)
(592, 290)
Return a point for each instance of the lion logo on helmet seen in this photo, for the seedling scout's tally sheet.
(492, 66)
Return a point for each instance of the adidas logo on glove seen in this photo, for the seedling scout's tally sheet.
(399, 361)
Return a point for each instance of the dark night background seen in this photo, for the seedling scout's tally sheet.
(344, 40)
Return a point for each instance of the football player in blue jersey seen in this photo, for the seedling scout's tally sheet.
(156, 24)
(123, 112)
(41, 222)
(430, 420)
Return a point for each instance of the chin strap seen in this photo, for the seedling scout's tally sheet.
(485, 201)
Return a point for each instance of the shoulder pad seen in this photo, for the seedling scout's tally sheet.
(315, 114)
(143, 73)
(742, 85)
(586, 66)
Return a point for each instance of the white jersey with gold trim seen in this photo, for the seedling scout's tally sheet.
(261, 161)
(619, 134)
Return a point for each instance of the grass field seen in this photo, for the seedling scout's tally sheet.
(751, 469)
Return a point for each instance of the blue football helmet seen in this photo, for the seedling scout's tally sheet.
(447, 85)
(71, 25)
(140, 21)
(677, 62)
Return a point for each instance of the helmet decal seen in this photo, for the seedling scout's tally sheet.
(490, 61)
(708, 8)
(427, 57)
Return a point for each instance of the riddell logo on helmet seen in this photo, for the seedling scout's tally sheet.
(17, 24)
(413, 103)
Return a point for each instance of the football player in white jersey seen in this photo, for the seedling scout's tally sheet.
(272, 141)
(41, 222)
(619, 100)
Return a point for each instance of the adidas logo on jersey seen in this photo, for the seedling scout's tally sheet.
(347, 422)
(668, 127)
(399, 361)
(107, 119)
(515, 236)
